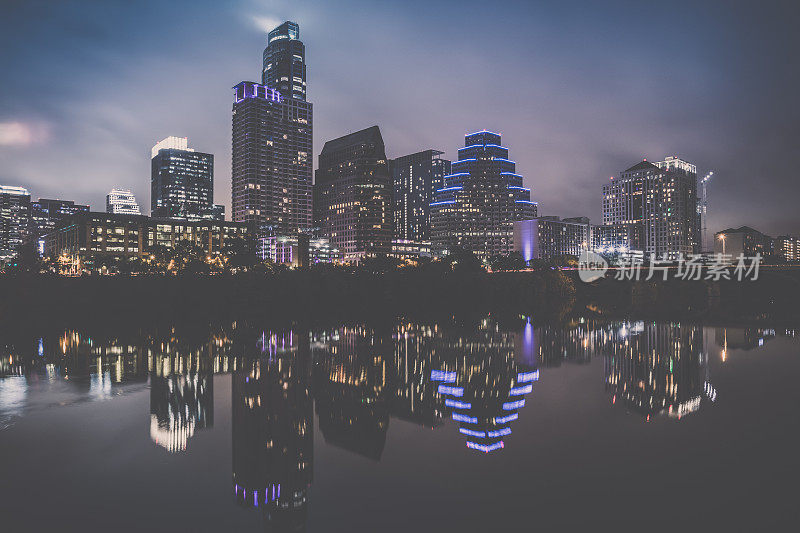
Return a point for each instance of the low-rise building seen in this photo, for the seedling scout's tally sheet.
(549, 237)
(86, 237)
(742, 241)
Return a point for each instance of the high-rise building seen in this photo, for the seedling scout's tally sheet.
(285, 62)
(352, 195)
(657, 204)
(122, 201)
(272, 166)
(415, 178)
(15, 212)
(181, 181)
(480, 199)
(48, 214)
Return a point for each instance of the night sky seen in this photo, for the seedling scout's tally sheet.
(579, 90)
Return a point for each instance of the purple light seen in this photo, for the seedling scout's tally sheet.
(507, 418)
(442, 375)
(486, 448)
(510, 406)
(517, 391)
(454, 391)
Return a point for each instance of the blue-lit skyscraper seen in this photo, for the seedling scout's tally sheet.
(480, 199)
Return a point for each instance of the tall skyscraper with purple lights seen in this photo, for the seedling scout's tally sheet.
(480, 199)
(272, 169)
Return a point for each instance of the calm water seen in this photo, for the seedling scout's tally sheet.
(409, 427)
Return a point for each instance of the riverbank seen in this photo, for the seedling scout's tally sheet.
(359, 296)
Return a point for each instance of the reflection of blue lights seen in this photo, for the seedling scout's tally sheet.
(509, 406)
(457, 405)
(507, 418)
(485, 447)
(525, 389)
(525, 377)
(454, 391)
(499, 432)
(472, 432)
(443, 375)
(41, 347)
(458, 417)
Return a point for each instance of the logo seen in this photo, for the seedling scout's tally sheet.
(591, 266)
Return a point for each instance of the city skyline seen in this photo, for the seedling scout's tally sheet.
(563, 138)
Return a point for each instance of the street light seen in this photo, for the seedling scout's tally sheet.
(722, 237)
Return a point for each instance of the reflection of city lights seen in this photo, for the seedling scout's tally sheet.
(441, 375)
(525, 377)
(510, 406)
(458, 417)
(499, 432)
(472, 432)
(517, 391)
(457, 404)
(507, 418)
(453, 391)
(485, 447)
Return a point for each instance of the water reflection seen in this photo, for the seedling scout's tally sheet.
(473, 378)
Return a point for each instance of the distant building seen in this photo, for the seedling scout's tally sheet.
(549, 237)
(91, 236)
(272, 159)
(298, 250)
(744, 240)
(415, 178)
(658, 205)
(411, 250)
(613, 238)
(480, 199)
(788, 248)
(352, 195)
(15, 212)
(122, 202)
(181, 181)
(47, 214)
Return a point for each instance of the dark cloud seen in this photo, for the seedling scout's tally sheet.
(579, 90)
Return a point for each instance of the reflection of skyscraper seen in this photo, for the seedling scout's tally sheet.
(350, 388)
(413, 395)
(482, 382)
(180, 405)
(657, 368)
(273, 430)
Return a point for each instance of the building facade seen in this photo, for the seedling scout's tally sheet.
(285, 62)
(656, 205)
(272, 165)
(352, 195)
(272, 162)
(15, 212)
(87, 237)
(788, 248)
(550, 237)
(743, 240)
(480, 199)
(122, 202)
(415, 178)
(181, 181)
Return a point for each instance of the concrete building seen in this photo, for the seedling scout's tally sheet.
(550, 237)
(122, 202)
(788, 248)
(657, 204)
(743, 240)
(415, 179)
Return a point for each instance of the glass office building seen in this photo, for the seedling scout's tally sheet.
(181, 181)
(415, 178)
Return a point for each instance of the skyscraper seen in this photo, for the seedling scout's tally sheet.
(181, 181)
(15, 209)
(273, 141)
(122, 201)
(656, 205)
(285, 62)
(480, 199)
(352, 196)
(415, 178)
